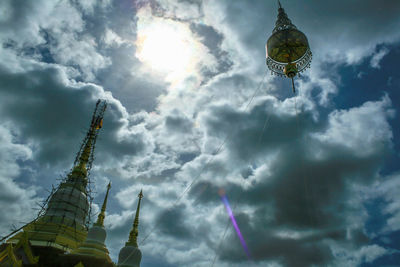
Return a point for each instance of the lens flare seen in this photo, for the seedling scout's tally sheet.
(233, 220)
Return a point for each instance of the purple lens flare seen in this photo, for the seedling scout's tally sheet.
(234, 223)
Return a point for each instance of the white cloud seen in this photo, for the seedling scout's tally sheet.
(17, 199)
(58, 27)
(376, 59)
(111, 38)
(165, 150)
(365, 254)
(363, 129)
(89, 6)
(72, 51)
(387, 188)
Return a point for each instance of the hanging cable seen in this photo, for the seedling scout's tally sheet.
(294, 89)
(220, 241)
(205, 165)
(201, 171)
(302, 168)
(265, 126)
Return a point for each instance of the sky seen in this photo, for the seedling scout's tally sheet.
(312, 178)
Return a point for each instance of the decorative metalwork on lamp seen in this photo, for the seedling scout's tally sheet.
(287, 49)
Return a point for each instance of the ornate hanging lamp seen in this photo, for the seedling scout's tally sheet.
(287, 49)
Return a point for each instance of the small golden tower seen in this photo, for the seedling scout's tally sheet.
(130, 255)
(94, 245)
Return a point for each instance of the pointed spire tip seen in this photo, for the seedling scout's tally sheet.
(135, 229)
(102, 214)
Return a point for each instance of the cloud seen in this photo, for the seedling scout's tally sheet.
(385, 189)
(170, 49)
(349, 128)
(53, 32)
(111, 38)
(365, 254)
(303, 178)
(295, 169)
(173, 223)
(336, 36)
(375, 60)
(45, 115)
(17, 197)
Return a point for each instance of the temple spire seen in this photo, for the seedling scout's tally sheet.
(135, 230)
(94, 244)
(84, 158)
(130, 255)
(63, 223)
(102, 214)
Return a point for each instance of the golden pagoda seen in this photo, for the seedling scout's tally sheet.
(94, 243)
(93, 251)
(59, 236)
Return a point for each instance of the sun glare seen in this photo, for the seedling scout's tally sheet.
(166, 47)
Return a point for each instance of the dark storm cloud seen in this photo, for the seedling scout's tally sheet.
(338, 32)
(265, 244)
(307, 184)
(54, 116)
(176, 122)
(326, 22)
(118, 227)
(294, 186)
(181, 10)
(310, 194)
(204, 192)
(213, 40)
(18, 15)
(172, 223)
(246, 134)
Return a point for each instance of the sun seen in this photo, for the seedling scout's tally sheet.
(167, 47)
